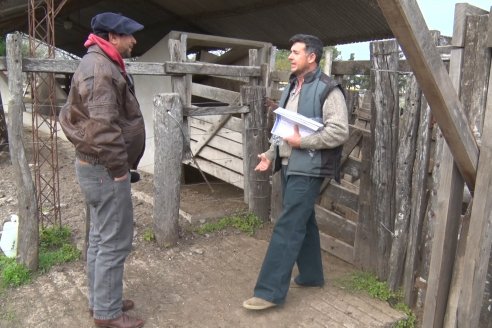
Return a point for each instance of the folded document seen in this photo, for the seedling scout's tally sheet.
(285, 121)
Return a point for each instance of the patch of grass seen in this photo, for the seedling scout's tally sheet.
(13, 274)
(54, 237)
(368, 283)
(148, 235)
(56, 248)
(247, 223)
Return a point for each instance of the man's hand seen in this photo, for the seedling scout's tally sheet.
(264, 163)
(294, 140)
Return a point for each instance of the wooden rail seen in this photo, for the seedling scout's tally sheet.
(138, 68)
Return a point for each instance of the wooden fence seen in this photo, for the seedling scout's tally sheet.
(398, 211)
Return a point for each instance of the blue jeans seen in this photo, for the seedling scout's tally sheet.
(295, 239)
(110, 237)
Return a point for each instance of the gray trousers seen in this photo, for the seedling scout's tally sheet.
(110, 237)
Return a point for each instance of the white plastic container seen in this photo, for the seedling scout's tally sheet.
(8, 240)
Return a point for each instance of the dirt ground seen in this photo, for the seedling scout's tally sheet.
(201, 282)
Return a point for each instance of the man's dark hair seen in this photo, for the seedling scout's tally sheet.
(313, 44)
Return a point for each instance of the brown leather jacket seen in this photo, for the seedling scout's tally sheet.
(102, 117)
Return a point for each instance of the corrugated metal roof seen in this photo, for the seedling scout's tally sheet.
(274, 21)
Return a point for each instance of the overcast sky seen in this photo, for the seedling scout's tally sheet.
(438, 14)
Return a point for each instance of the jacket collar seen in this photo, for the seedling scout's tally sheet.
(95, 48)
(308, 78)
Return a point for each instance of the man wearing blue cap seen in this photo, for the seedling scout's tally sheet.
(102, 119)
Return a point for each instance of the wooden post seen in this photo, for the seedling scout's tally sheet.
(408, 127)
(479, 237)
(476, 60)
(168, 135)
(28, 237)
(408, 25)
(419, 201)
(181, 84)
(253, 61)
(328, 61)
(384, 130)
(420, 196)
(365, 249)
(256, 138)
(449, 197)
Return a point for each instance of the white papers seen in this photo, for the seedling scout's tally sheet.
(286, 120)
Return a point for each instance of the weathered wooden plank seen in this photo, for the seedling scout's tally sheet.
(365, 235)
(166, 68)
(179, 85)
(205, 122)
(234, 124)
(384, 131)
(168, 141)
(335, 225)
(49, 65)
(173, 68)
(475, 74)
(352, 167)
(476, 58)
(221, 158)
(220, 110)
(447, 199)
(225, 144)
(248, 161)
(218, 94)
(451, 316)
(204, 137)
(28, 235)
(218, 171)
(256, 141)
(419, 202)
(408, 25)
(479, 238)
(341, 195)
(336, 247)
(407, 142)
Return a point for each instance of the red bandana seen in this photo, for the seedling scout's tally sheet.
(108, 49)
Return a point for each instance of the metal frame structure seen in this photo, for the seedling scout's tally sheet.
(41, 15)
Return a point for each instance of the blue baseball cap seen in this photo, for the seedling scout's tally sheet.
(115, 23)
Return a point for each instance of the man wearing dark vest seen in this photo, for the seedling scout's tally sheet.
(304, 162)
